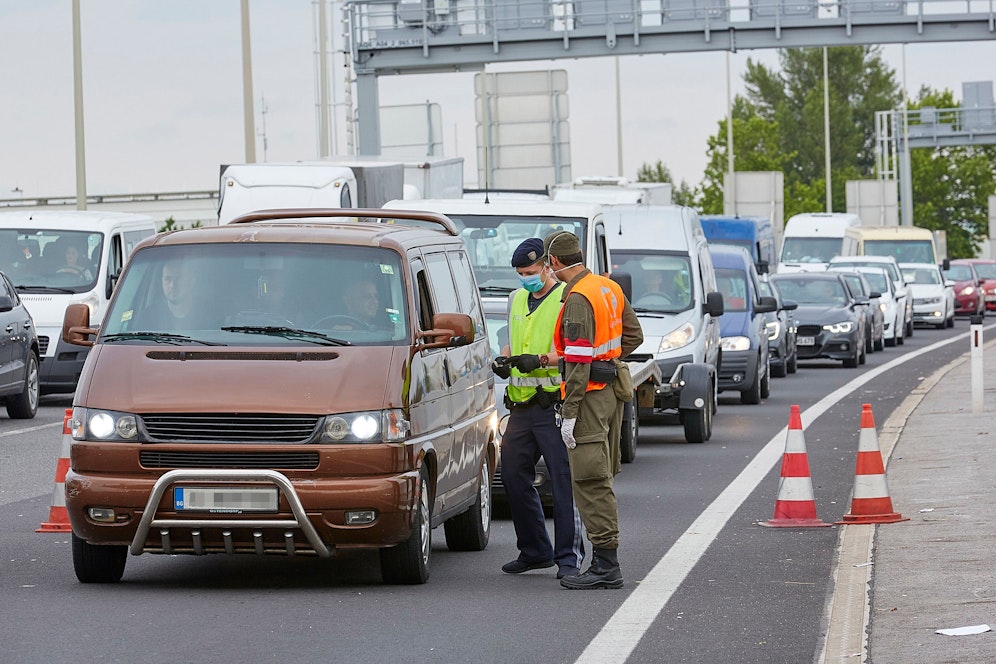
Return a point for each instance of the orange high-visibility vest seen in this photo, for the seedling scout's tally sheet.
(607, 302)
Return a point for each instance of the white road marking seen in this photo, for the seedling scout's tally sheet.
(622, 633)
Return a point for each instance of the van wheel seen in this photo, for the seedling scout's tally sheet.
(880, 343)
(630, 432)
(98, 564)
(766, 382)
(408, 562)
(470, 531)
(24, 406)
(697, 422)
(752, 395)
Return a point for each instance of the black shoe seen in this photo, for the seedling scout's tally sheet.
(519, 566)
(567, 571)
(603, 573)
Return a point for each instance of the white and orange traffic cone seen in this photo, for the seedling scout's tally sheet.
(58, 517)
(871, 502)
(795, 506)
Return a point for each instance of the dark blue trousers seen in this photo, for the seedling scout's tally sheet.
(532, 432)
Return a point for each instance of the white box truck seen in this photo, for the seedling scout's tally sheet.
(610, 190)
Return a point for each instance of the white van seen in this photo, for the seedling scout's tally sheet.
(664, 251)
(811, 239)
(55, 259)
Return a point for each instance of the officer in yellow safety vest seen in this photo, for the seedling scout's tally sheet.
(530, 365)
(596, 329)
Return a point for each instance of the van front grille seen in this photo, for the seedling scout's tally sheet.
(231, 427)
(280, 461)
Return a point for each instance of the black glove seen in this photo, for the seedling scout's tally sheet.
(526, 363)
(502, 366)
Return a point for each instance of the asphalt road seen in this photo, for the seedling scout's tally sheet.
(743, 594)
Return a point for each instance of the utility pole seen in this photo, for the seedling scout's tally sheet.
(826, 128)
(78, 106)
(262, 112)
(247, 106)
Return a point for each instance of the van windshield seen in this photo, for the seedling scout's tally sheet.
(662, 282)
(904, 251)
(810, 249)
(49, 260)
(491, 239)
(260, 294)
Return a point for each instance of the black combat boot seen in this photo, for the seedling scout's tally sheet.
(603, 573)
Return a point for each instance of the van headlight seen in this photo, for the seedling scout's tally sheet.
(376, 426)
(734, 343)
(839, 328)
(677, 339)
(103, 425)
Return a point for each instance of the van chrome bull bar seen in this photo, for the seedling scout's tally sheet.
(300, 520)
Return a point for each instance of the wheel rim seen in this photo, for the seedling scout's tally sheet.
(424, 525)
(485, 495)
(33, 384)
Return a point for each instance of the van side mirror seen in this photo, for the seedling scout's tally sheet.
(76, 328)
(946, 264)
(6, 303)
(625, 281)
(714, 303)
(766, 304)
(872, 295)
(790, 305)
(448, 331)
(763, 267)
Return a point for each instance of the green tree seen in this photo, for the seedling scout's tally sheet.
(779, 125)
(952, 185)
(682, 194)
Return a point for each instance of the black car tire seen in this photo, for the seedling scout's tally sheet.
(752, 395)
(792, 363)
(780, 370)
(98, 564)
(630, 432)
(408, 562)
(766, 382)
(24, 406)
(471, 530)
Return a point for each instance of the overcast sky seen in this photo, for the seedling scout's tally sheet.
(163, 95)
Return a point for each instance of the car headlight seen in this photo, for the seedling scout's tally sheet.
(375, 426)
(734, 343)
(103, 425)
(678, 338)
(773, 329)
(882, 306)
(839, 328)
(967, 290)
(931, 300)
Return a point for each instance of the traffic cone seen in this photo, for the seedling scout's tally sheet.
(871, 502)
(58, 517)
(795, 506)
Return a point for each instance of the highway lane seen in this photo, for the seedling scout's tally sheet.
(756, 595)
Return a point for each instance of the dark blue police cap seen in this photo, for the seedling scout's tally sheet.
(528, 252)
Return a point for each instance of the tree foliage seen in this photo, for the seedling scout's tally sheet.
(680, 194)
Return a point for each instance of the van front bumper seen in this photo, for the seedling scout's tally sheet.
(310, 518)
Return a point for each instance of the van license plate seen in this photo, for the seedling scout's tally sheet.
(225, 499)
(806, 341)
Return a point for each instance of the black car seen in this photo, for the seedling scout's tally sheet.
(862, 290)
(780, 326)
(18, 355)
(830, 320)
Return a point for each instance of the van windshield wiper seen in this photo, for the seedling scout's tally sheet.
(287, 333)
(658, 312)
(43, 289)
(159, 338)
(496, 289)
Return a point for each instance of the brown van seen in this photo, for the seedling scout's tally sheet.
(296, 382)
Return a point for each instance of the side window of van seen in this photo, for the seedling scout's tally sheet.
(421, 279)
(601, 251)
(444, 295)
(467, 290)
(132, 238)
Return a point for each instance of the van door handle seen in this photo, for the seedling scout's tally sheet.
(9, 328)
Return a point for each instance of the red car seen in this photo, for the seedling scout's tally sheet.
(986, 270)
(969, 299)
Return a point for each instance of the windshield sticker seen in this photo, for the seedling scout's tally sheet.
(126, 316)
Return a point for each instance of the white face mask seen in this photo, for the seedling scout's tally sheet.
(566, 267)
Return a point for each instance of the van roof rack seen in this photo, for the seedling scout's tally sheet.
(421, 218)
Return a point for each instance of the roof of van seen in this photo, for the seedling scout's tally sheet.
(77, 220)
(534, 208)
(725, 255)
(651, 227)
(821, 223)
(897, 232)
(313, 174)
